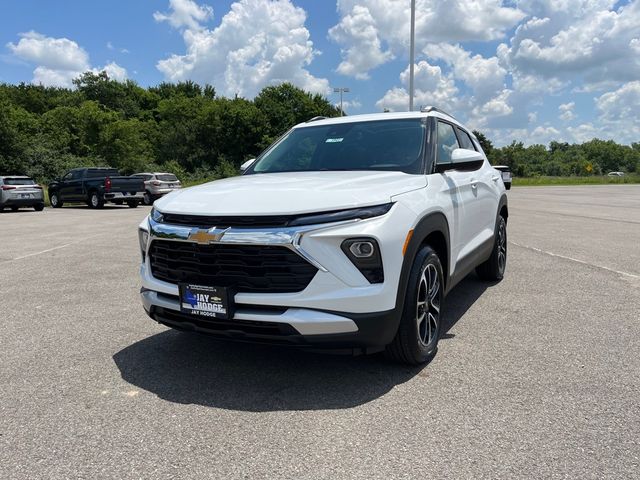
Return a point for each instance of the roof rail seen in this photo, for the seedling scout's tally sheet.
(319, 117)
(430, 108)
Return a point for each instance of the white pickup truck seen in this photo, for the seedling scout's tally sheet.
(346, 233)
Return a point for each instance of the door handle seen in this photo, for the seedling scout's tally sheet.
(474, 185)
(496, 178)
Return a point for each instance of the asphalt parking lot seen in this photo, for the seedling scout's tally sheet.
(537, 376)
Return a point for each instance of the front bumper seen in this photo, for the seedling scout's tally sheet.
(338, 308)
(285, 326)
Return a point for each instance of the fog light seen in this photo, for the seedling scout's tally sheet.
(364, 253)
(362, 249)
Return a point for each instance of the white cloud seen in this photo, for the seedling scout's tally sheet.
(566, 111)
(258, 43)
(60, 54)
(622, 104)
(359, 33)
(58, 60)
(432, 87)
(484, 75)
(573, 39)
(371, 32)
(185, 14)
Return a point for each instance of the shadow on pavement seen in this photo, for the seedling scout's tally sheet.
(193, 369)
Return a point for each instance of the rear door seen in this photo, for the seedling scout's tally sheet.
(458, 188)
(483, 205)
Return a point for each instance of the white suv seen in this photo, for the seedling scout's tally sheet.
(346, 233)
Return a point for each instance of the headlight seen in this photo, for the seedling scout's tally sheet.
(341, 215)
(156, 216)
(143, 238)
(364, 253)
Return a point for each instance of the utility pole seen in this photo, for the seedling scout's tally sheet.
(341, 90)
(412, 52)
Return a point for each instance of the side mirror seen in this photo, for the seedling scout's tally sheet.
(462, 159)
(246, 165)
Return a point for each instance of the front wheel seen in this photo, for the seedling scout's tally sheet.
(133, 203)
(147, 199)
(55, 200)
(493, 269)
(417, 338)
(38, 207)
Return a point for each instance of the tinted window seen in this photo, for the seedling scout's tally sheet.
(447, 142)
(167, 178)
(102, 172)
(465, 139)
(393, 145)
(76, 175)
(19, 181)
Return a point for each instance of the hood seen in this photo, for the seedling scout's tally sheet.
(290, 193)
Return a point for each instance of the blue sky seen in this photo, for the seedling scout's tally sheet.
(531, 70)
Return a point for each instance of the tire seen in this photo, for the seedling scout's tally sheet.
(493, 269)
(38, 207)
(55, 200)
(416, 340)
(133, 203)
(95, 200)
(118, 202)
(148, 198)
(14, 208)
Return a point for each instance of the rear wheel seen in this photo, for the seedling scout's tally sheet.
(417, 338)
(38, 207)
(95, 200)
(147, 199)
(493, 269)
(55, 200)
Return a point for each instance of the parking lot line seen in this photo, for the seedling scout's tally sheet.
(619, 272)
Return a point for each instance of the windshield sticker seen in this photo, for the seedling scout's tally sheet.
(333, 140)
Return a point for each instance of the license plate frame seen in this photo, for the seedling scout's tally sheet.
(206, 301)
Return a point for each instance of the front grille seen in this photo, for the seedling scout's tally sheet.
(246, 268)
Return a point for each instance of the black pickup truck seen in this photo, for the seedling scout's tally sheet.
(95, 186)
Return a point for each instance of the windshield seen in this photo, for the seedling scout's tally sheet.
(19, 181)
(391, 145)
(167, 178)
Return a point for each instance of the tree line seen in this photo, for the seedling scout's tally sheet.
(181, 127)
(187, 129)
(595, 157)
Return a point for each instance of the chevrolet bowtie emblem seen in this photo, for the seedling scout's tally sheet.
(207, 236)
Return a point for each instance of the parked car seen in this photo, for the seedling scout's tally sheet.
(95, 187)
(615, 174)
(157, 184)
(347, 233)
(507, 177)
(20, 191)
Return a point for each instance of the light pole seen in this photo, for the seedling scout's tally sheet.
(412, 52)
(341, 90)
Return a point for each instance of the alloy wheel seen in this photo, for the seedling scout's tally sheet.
(502, 246)
(428, 305)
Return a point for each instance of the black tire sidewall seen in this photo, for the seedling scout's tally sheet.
(419, 352)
